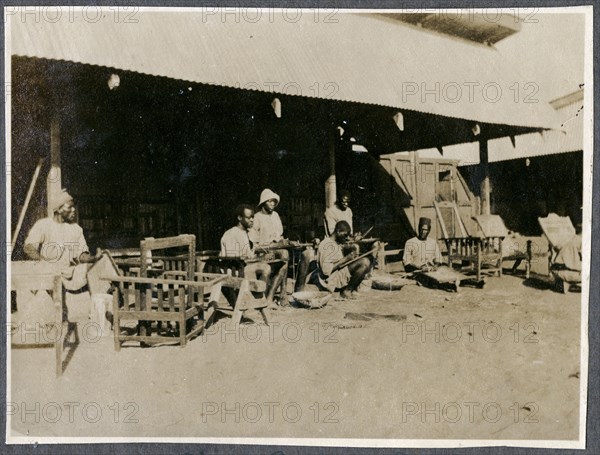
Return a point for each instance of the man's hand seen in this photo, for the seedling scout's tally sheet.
(260, 250)
(85, 258)
(32, 252)
(342, 262)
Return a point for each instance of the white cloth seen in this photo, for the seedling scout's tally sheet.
(420, 252)
(58, 243)
(267, 228)
(236, 243)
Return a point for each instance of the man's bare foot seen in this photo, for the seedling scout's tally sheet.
(347, 295)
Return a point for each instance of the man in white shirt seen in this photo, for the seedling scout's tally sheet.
(421, 252)
(340, 211)
(58, 243)
(267, 231)
(236, 243)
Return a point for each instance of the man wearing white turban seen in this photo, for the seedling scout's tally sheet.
(59, 242)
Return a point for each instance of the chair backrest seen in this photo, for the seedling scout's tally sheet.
(558, 229)
(185, 261)
(490, 226)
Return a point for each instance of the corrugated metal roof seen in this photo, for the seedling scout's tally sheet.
(359, 58)
(550, 142)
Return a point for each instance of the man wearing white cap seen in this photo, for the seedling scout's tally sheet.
(59, 241)
(266, 231)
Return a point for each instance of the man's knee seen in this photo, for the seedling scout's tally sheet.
(360, 264)
(308, 256)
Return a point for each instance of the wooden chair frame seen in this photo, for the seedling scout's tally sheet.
(477, 251)
(145, 299)
(47, 282)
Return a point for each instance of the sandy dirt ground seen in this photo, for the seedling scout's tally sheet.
(495, 363)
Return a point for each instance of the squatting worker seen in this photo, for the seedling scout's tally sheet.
(59, 242)
(267, 231)
(421, 252)
(236, 243)
(340, 211)
(333, 273)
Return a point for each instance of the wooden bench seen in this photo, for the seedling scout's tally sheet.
(230, 295)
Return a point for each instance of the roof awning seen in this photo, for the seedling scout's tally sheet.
(531, 145)
(360, 58)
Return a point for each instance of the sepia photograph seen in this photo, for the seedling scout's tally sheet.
(298, 226)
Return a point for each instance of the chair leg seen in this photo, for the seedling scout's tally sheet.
(263, 312)
(116, 321)
(237, 316)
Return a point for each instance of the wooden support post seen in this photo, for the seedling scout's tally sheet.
(330, 183)
(485, 183)
(416, 202)
(54, 180)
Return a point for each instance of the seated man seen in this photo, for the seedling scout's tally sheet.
(566, 268)
(340, 211)
(333, 274)
(268, 231)
(59, 243)
(236, 243)
(421, 252)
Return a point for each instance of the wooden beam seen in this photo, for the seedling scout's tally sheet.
(54, 178)
(485, 183)
(330, 183)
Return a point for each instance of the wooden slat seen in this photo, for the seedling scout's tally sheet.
(167, 242)
(57, 296)
(150, 315)
(156, 281)
(440, 219)
(32, 282)
(171, 298)
(137, 298)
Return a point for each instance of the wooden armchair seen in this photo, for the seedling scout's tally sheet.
(150, 302)
(156, 302)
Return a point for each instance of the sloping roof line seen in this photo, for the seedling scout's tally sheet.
(359, 58)
(569, 139)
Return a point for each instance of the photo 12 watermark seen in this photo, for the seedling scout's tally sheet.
(427, 331)
(469, 411)
(73, 412)
(270, 412)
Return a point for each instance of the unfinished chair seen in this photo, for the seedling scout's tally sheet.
(163, 310)
(483, 250)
